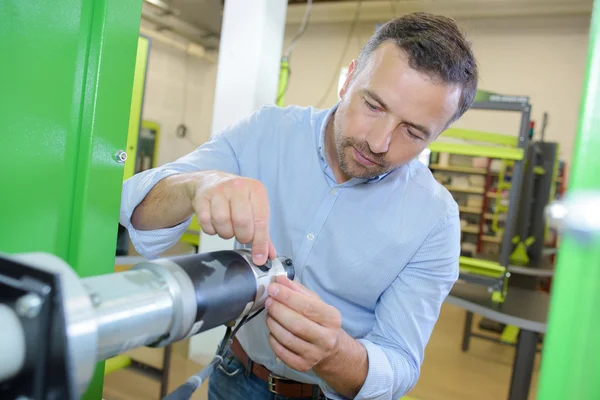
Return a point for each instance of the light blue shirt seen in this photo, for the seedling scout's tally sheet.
(383, 251)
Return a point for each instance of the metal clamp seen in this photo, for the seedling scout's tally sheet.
(578, 215)
(120, 156)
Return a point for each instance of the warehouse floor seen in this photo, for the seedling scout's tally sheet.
(447, 373)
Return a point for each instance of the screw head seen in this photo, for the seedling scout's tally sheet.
(120, 156)
(96, 299)
(29, 305)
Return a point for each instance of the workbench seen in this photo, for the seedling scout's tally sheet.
(523, 308)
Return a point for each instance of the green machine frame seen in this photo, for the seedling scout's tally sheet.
(571, 357)
(65, 94)
(513, 148)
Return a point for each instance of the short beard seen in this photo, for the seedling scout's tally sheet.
(344, 149)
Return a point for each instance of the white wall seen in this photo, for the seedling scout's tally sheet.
(543, 58)
(179, 89)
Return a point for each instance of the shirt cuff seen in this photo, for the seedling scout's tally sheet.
(152, 243)
(379, 382)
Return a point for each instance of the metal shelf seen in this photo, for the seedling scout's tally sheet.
(459, 168)
(469, 210)
(470, 229)
(464, 189)
(506, 153)
(491, 239)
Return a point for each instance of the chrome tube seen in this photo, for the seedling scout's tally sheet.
(12, 345)
(132, 309)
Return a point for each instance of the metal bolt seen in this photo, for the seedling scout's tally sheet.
(556, 213)
(95, 298)
(578, 215)
(29, 305)
(120, 156)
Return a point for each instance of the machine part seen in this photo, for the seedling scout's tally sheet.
(29, 306)
(77, 318)
(186, 390)
(67, 324)
(133, 308)
(120, 156)
(577, 215)
(571, 345)
(246, 292)
(12, 345)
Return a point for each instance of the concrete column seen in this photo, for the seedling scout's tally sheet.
(247, 77)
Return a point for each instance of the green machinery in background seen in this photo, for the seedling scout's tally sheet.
(571, 358)
(511, 149)
(65, 94)
(514, 195)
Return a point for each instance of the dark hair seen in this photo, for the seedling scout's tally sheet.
(435, 46)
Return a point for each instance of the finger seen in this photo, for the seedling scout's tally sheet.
(289, 340)
(307, 306)
(241, 216)
(289, 358)
(260, 213)
(202, 209)
(296, 323)
(272, 251)
(221, 216)
(285, 281)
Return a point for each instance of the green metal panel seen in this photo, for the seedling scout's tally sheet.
(506, 153)
(480, 136)
(66, 84)
(137, 100)
(571, 356)
(481, 267)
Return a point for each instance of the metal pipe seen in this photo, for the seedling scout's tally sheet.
(132, 309)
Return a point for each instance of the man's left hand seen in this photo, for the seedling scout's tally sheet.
(305, 331)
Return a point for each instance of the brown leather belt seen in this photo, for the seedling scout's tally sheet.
(277, 384)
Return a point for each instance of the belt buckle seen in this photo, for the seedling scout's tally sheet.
(272, 382)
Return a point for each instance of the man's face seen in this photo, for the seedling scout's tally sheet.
(389, 113)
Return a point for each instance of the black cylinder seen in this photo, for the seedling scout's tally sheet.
(224, 285)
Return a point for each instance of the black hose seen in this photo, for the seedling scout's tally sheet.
(185, 391)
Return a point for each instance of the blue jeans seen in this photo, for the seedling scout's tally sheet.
(229, 382)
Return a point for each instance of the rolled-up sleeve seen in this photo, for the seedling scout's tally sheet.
(220, 153)
(406, 315)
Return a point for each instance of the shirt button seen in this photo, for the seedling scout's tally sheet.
(334, 192)
(310, 236)
(278, 360)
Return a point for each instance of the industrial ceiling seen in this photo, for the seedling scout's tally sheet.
(199, 21)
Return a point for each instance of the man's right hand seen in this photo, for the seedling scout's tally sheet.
(232, 206)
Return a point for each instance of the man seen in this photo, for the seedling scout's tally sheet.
(374, 238)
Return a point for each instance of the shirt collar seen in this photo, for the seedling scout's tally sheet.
(321, 149)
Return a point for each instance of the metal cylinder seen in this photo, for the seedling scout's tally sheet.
(228, 285)
(163, 301)
(12, 345)
(132, 309)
